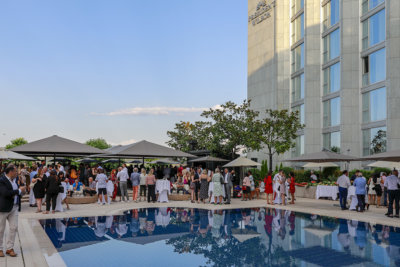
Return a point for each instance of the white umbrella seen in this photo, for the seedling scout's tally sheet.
(10, 155)
(242, 162)
(320, 165)
(385, 164)
(244, 237)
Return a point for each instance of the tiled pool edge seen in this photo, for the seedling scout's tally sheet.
(36, 245)
(35, 242)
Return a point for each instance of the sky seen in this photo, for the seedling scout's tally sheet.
(121, 70)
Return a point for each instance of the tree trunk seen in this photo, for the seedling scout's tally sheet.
(270, 160)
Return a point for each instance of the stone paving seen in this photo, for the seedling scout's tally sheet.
(38, 251)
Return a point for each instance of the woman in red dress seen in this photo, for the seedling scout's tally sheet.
(292, 187)
(268, 188)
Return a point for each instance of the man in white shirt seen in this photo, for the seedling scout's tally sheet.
(9, 204)
(344, 183)
(123, 177)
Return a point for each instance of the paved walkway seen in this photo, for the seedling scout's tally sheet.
(37, 249)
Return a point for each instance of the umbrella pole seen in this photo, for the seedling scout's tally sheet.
(54, 159)
(143, 161)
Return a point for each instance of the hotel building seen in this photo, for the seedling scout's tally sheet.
(335, 61)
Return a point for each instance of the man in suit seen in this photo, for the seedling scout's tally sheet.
(9, 203)
(228, 185)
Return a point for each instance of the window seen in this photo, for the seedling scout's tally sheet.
(331, 141)
(374, 105)
(370, 4)
(374, 30)
(330, 14)
(331, 112)
(298, 58)
(300, 109)
(374, 141)
(298, 28)
(298, 88)
(296, 6)
(374, 67)
(299, 147)
(331, 46)
(332, 79)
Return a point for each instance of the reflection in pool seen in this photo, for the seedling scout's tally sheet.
(237, 237)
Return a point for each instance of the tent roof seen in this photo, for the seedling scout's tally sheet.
(56, 146)
(208, 159)
(385, 164)
(393, 155)
(242, 162)
(144, 149)
(8, 154)
(323, 156)
(320, 165)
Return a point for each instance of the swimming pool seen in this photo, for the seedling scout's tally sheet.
(237, 237)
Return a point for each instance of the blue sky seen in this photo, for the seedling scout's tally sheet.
(94, 68)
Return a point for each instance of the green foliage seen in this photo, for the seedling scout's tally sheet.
(279, 131)
(225, 131)
(16, 142)
(99, 143)
(187, 136)
(233, 127)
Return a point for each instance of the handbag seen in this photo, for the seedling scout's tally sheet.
(31, 185)
(61, 189)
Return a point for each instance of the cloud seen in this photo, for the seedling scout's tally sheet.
(154, 111)
(123, 143)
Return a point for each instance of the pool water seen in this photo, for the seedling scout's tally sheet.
(237, 237)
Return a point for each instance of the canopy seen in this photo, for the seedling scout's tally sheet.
(320, 165)
(323, 156)
(112, 161)
(242, 162)
(10, 155)
(56, 146)
(208, 159)
(87, 160)
(135, 161)
(386, 156)
(164, 161)
(385, 164)
(143, 149)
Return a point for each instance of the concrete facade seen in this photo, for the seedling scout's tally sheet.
(347, 96)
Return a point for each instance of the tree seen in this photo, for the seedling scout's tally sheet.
(16, 142)
(378, 143)
(233, 127)
(279, 131)
(99, 143)
(187, 136)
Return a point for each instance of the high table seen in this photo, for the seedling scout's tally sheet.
(163, 188)
(326, 191)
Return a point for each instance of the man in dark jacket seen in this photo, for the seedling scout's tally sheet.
(9, 202)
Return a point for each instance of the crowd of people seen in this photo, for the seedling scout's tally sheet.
(370, 191)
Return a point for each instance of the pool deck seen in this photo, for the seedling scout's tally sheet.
(35, 249)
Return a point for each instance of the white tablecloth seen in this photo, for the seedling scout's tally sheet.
(327, 191)
(163, 188)
(351, 195)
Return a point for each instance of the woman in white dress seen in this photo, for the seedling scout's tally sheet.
(62, 197)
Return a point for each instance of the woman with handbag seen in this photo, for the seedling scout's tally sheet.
(37, 185)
